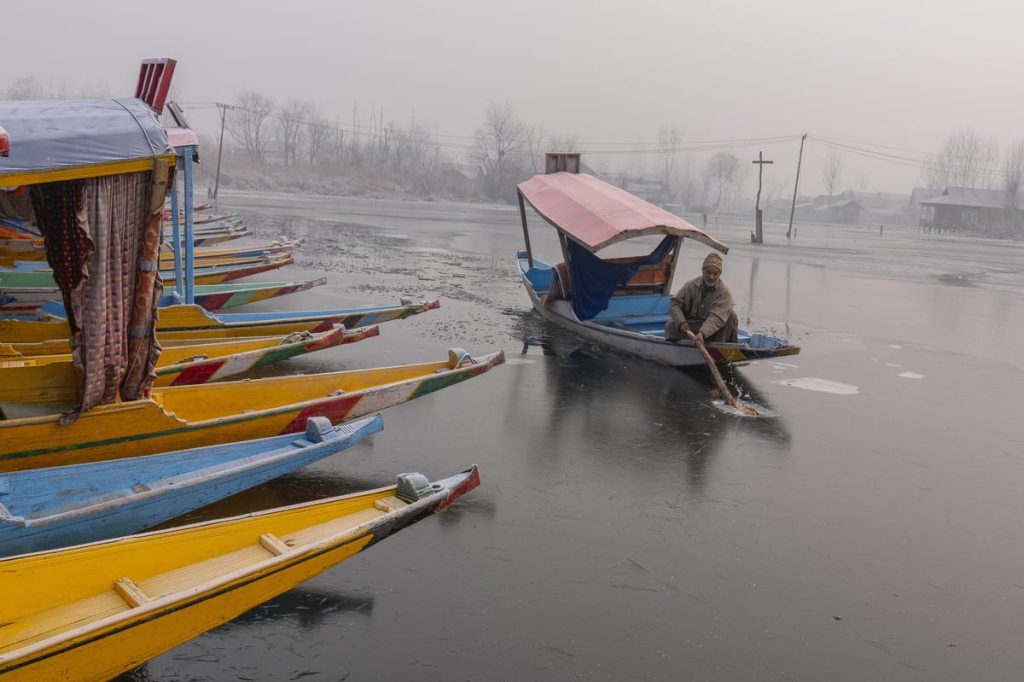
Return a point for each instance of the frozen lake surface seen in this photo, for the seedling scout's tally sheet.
(628, 529)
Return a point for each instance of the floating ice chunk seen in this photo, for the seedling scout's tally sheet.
(892, 364)
(895, 345)
(911, 375)
(820, 385)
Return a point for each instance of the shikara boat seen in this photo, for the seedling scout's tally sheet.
(55, 507)
(38, 273)
(91, 612)
(621, 303)
(37, 303)
(53, 381)
(210, 235)
(13, 250)
(241, 251)
(179, 417)
(196, 208)
(192, 322)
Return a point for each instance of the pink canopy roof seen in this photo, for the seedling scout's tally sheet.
(597, 214)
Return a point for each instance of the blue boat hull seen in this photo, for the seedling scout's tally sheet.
(635, 324)
(60, 506)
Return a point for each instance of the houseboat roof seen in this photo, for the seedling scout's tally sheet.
(596, 214)
(53, 140)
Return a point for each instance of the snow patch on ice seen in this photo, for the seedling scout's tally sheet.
(820, 385)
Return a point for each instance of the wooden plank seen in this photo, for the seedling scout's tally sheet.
(388, 504)
(130, 592)
(274, 544)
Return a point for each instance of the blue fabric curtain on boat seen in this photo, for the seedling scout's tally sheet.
(594, 280)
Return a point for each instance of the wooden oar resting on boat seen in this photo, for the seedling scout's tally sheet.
(192, 322)
(54, 382)
(94, 611)
(43, 509)
(621, 303)
(179, 417)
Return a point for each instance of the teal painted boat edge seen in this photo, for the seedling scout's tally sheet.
(89, 502)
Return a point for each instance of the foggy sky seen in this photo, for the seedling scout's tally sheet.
(904, 74)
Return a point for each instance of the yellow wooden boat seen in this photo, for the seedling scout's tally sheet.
(193, 322)
(54, 381)
(204, 257)
(178, 348)
(94, 611)
(180, 417)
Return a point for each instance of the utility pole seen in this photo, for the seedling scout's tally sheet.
(757, 237)
(792, 208)
(220, 146)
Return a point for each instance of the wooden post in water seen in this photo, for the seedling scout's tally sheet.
(792, 208)
(758, 236)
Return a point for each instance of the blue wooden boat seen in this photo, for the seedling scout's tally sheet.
(618, 302)
(44, 509)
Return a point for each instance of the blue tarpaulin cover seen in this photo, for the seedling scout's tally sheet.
(594, 280)
(57, 134)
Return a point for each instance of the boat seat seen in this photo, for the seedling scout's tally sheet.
(540, 278)
(648, 278)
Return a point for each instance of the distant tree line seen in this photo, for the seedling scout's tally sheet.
(968, 159)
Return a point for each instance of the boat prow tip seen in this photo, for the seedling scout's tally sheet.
(459, 485)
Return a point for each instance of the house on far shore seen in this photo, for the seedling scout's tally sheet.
(982, 211)
(846, 211)
(831, 209)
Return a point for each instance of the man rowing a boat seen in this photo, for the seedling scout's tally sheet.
(703, 304)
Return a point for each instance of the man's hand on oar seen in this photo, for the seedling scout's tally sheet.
(727, 396)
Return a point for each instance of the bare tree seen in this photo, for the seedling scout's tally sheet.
(1013, 172)
(496, 144)
(25, 87)
(832, 172)
(533, 143)
(719, 173)
(291, 120)
(966, 160)
(248, 122)
(564, 144)
(318, 135)
(669, 139)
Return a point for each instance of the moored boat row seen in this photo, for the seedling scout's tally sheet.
(121, 408)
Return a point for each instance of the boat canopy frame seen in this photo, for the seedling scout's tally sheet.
(59, 140)
(595, 215)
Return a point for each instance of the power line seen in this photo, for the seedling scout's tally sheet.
(369, 131)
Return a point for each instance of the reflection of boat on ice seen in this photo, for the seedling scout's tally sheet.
(93, 611)
(619, 302)
(70, 505)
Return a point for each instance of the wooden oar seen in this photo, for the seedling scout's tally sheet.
(727, 395)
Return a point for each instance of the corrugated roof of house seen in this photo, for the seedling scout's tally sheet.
(972, 197)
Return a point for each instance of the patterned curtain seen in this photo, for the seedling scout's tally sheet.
(102, 241)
